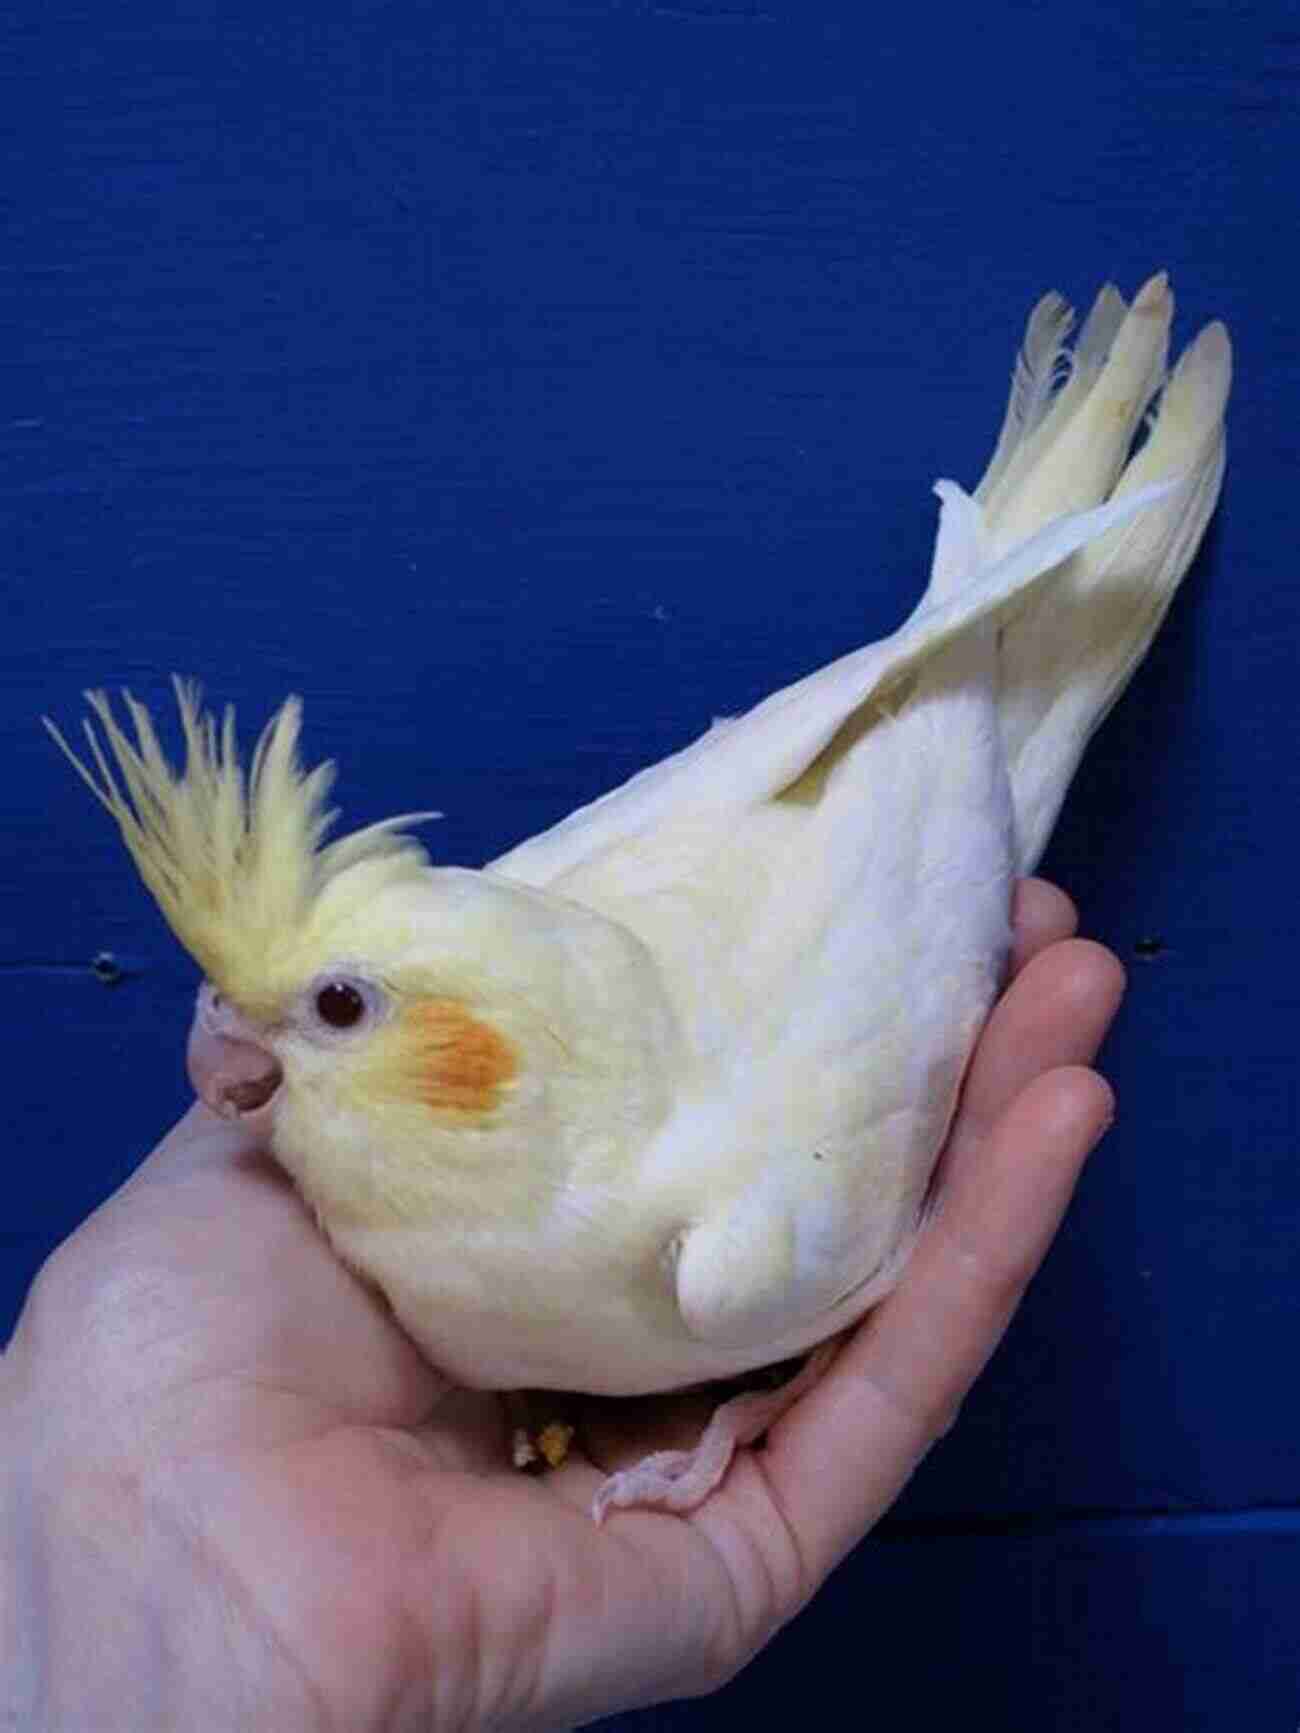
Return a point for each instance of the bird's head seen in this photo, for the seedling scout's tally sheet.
(347, 983)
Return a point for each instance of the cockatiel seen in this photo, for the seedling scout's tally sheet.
(655, 1098)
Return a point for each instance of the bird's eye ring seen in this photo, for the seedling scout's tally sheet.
(340, 1005)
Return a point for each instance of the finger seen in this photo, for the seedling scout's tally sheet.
(1056, 1012)
(200, 1140)
(840, 1458)
(1041, 915)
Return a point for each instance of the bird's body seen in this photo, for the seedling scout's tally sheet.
(746, 1058)
(656, 1097)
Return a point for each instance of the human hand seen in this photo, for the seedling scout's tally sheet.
(240, 1498)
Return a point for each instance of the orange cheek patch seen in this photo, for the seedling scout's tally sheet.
(456, 1062)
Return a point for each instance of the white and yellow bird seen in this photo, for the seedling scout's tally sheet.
(655, 1098)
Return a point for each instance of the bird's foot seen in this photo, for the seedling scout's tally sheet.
(679, 1480)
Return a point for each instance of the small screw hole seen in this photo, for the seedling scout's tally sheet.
(1149, 948)
(106, 969)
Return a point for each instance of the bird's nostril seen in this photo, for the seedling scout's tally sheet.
(250, 1093)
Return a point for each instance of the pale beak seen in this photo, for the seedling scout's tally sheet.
(231, 1069)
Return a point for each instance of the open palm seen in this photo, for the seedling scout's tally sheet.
(322, 1535)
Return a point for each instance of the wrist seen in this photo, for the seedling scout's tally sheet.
(80, 1638)
(99, 1628)
(20, 1662)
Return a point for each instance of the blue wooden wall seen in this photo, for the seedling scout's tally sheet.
(527, 382)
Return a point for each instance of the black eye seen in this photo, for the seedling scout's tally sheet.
(340, 1005)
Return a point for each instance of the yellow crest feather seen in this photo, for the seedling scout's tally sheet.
(235, 862)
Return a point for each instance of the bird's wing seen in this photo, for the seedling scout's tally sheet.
(803, 1182)
(747, 760)
(795, 1175)
(862, 936)
(859, 969)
